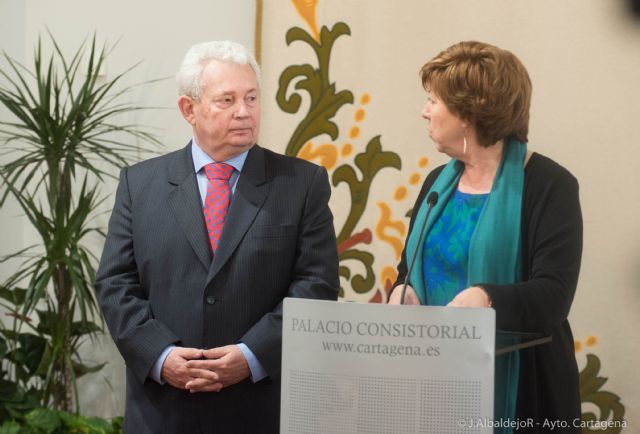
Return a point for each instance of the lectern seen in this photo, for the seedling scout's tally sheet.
(370, 368)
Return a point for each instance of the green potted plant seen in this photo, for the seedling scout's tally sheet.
(62, 138)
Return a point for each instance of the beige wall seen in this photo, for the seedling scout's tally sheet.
(12, 21)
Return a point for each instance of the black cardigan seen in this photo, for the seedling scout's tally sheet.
(552, 249)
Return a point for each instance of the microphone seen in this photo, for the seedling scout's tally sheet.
(432, 200)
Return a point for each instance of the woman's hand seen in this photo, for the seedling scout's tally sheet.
(410, 296)
(473, 296)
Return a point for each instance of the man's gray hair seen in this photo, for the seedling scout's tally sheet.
(198, 56)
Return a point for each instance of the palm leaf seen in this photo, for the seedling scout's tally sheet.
(64, 136)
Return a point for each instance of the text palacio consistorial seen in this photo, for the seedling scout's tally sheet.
(385, 329)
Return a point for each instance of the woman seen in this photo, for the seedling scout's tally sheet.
(506, 231)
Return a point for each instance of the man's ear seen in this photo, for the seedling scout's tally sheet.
(186, 106)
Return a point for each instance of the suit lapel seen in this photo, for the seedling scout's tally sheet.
(250, 193)
(184, 201)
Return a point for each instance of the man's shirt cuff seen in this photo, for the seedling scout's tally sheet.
(156, 370)
(257, 371)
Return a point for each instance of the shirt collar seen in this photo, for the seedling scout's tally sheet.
(201, 158)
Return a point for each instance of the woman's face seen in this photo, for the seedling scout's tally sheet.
(445, 129)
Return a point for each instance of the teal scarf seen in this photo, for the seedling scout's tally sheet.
(494, 249)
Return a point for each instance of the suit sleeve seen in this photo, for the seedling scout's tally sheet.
(314, 275)
(140, 338)
(552, 231)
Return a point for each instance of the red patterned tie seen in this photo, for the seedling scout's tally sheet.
(217, 202)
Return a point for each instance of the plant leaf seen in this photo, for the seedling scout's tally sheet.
(43, 419)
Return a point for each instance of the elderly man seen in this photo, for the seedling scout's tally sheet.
(203, 245)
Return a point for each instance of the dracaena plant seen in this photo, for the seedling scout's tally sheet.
(62, 134)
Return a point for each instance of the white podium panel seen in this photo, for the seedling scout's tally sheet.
(370, 368)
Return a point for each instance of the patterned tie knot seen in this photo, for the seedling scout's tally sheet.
(218, 171)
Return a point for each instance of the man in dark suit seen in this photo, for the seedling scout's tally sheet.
(203, 245)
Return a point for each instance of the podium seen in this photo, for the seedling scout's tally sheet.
(368, 368)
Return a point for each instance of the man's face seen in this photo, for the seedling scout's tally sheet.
(226, 119)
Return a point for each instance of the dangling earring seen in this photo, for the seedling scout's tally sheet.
(464, 148)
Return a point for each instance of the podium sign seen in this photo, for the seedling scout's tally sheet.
(370, 368)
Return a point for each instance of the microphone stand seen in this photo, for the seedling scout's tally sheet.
(432, 200)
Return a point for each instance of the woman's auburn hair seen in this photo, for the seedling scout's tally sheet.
(484, 85)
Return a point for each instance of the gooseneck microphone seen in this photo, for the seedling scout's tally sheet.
(432, 200)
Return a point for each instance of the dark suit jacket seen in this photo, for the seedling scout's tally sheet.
(157, 283)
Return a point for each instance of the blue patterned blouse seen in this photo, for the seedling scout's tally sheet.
(446, 250)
